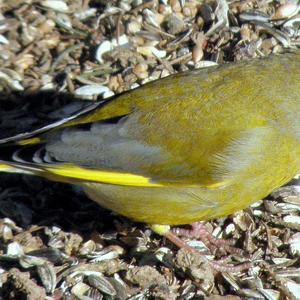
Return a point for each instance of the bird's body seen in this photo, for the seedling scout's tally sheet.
(193, 146)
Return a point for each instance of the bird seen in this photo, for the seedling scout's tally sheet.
(193, 146)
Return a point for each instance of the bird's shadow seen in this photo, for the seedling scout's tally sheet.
(33, 200)
(21, 113)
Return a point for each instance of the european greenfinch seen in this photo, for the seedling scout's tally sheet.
(193, 146)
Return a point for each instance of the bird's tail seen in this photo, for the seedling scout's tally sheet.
(9, 165)
(10, 146)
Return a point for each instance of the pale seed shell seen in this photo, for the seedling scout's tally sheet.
(285, 11)
(104, 47)
(89, 91)
(57, 5)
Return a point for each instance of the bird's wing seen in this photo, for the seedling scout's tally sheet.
(162, 134)
(108, 153)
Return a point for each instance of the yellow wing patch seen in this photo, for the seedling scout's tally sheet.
(101, 176)
(217, 185)
(31, 141)
(5, 168)
(111, 177)
(69, 172)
